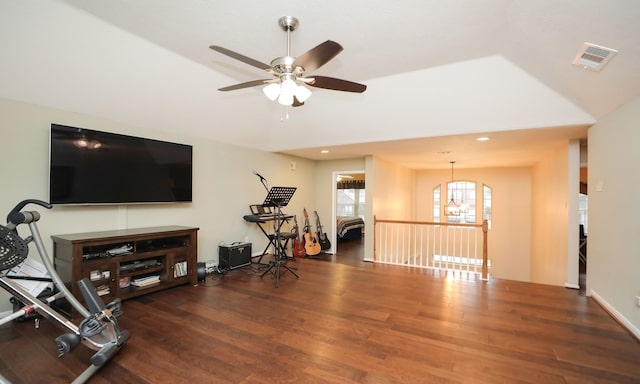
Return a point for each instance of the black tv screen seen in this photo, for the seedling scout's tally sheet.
(93, 167)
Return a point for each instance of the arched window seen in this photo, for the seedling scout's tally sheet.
(463, 193)
(436, 204)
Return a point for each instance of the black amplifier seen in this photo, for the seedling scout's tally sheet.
(236, 255)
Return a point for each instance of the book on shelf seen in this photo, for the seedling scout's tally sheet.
(125, 249)
(102, 290)
(145, 281)
(180, 269)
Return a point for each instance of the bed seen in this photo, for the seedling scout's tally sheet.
(349, 228)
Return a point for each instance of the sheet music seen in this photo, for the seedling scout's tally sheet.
(30, 268)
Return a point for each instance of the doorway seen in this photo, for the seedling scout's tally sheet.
(348, 201)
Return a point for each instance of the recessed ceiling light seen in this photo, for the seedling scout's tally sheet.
(324, 151)
(483, 138)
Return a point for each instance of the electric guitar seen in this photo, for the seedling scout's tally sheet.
(322, 235)
(298, 247)
(311, 245)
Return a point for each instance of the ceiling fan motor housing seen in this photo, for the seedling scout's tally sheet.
(288, 23)
(284, 66)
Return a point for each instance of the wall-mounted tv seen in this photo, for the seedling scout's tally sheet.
(93, 167)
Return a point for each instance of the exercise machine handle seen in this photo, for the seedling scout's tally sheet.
(16, 217)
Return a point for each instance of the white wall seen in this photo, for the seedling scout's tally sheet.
(224, 185)
(613, 266)
(510, 235)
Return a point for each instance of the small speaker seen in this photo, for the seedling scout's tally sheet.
(234, 256)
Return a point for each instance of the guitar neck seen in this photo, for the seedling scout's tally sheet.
(318, 225)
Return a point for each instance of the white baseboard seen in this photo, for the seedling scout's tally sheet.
(616, 315)
(572, 286)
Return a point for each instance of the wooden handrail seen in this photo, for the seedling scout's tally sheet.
(485, 250)
(375, 220)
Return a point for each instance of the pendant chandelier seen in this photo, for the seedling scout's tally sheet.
(452, 208)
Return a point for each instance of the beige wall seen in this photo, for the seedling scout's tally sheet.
(510, 234)
(393, 197)
(394, 191)
(224, 185)
(550, 219)
(325, 184)
(613, 267)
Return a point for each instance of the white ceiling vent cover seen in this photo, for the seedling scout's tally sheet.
(593, 56)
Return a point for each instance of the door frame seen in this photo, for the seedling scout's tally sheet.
(334, 202)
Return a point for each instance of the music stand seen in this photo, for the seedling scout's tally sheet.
(278, 197)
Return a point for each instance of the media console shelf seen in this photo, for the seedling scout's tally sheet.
(129, 262)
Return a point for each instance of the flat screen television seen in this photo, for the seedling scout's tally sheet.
(93, 167)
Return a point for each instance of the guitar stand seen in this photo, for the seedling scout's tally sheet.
(279, 197)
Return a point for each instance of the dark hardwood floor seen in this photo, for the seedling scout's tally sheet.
(346, 321)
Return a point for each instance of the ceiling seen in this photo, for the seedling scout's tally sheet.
(439, 73)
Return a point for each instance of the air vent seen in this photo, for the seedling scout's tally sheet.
(593, 56)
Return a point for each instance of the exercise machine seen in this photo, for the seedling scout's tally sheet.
(98, 329)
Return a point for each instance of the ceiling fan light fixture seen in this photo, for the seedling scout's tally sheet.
(272, 91)
(287, 91)
(285, 99)
(302, 93)
(288, 86)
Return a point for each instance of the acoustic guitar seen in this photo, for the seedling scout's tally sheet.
(311, 245)
(298, 246)
(322, 235)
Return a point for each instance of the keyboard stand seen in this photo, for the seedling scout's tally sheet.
(260, 220)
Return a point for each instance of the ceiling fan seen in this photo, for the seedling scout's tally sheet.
(290, 73)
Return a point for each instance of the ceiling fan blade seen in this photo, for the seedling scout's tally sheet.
(318, 56)
(336, 84)
(296, 102)
(243, 58)
(248, 84)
